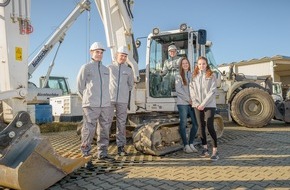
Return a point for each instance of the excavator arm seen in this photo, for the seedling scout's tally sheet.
(42, 94)
(58, 35)
(22, 149)
(117, 19)
(27, 160)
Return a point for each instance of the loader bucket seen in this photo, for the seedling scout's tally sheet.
(27, 160)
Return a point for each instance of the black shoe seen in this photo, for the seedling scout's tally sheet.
(204, 153)
(106, 158)
(121, 151)
(89, 166)
(215, 157)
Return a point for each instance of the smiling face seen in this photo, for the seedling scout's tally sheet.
(202, 64)
(121, 58)
(172, 53)
(185, 65)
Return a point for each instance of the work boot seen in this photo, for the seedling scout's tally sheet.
(90, 166)
(106, 158)
(121, 151)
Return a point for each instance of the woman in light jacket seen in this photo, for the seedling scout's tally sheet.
(203, 92)
(184, 105)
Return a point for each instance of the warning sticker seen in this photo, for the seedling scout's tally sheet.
(18, 53)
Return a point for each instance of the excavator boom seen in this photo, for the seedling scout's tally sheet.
(27, 160)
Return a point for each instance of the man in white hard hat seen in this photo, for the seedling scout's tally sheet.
(121, 83)
(170, 68)
(93, 87)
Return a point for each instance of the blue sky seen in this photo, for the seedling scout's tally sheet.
(239, 29)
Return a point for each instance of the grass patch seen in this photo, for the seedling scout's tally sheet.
(58, 127)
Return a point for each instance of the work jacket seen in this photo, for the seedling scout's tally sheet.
(203, 90)
(183, 96)
(171, 66)
(93, 85)
(121, 82)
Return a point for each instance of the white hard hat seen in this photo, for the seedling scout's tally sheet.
(172, 47)
(97, 45)
(123, 49)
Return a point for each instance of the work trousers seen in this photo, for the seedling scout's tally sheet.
(90, 117)
(121, 117)
(205, 119)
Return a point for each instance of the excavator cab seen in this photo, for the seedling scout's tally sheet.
(189, 44)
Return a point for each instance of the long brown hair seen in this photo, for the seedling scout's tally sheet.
(208, 70)
(181, 71)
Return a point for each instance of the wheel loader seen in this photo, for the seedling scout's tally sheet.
(248, 100)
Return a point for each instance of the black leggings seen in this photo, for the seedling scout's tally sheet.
(205, 118)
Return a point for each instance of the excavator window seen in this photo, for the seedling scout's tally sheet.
(163, 86)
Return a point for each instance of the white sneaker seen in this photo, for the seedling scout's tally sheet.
(193, 148)
(187, 149)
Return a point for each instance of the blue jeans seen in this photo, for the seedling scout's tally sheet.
(184, 112)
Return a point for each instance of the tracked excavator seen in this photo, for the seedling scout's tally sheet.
(152, 110)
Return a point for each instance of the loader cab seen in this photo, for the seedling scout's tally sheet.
(56, 82)
(277, 91)
(161, 93)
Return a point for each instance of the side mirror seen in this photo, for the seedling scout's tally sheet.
(202, 37)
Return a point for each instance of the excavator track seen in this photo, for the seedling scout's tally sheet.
(160, 135)
(157, 138)
(27, 160)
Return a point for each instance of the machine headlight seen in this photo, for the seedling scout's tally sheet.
(208, 43)
(183, 27)
(155, 31)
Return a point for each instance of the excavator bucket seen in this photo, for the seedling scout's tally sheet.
(27, 160)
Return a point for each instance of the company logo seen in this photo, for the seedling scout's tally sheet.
(39, 57)
(47, 94)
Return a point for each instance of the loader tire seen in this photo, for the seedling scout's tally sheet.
(218, 125)
(252, 107)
